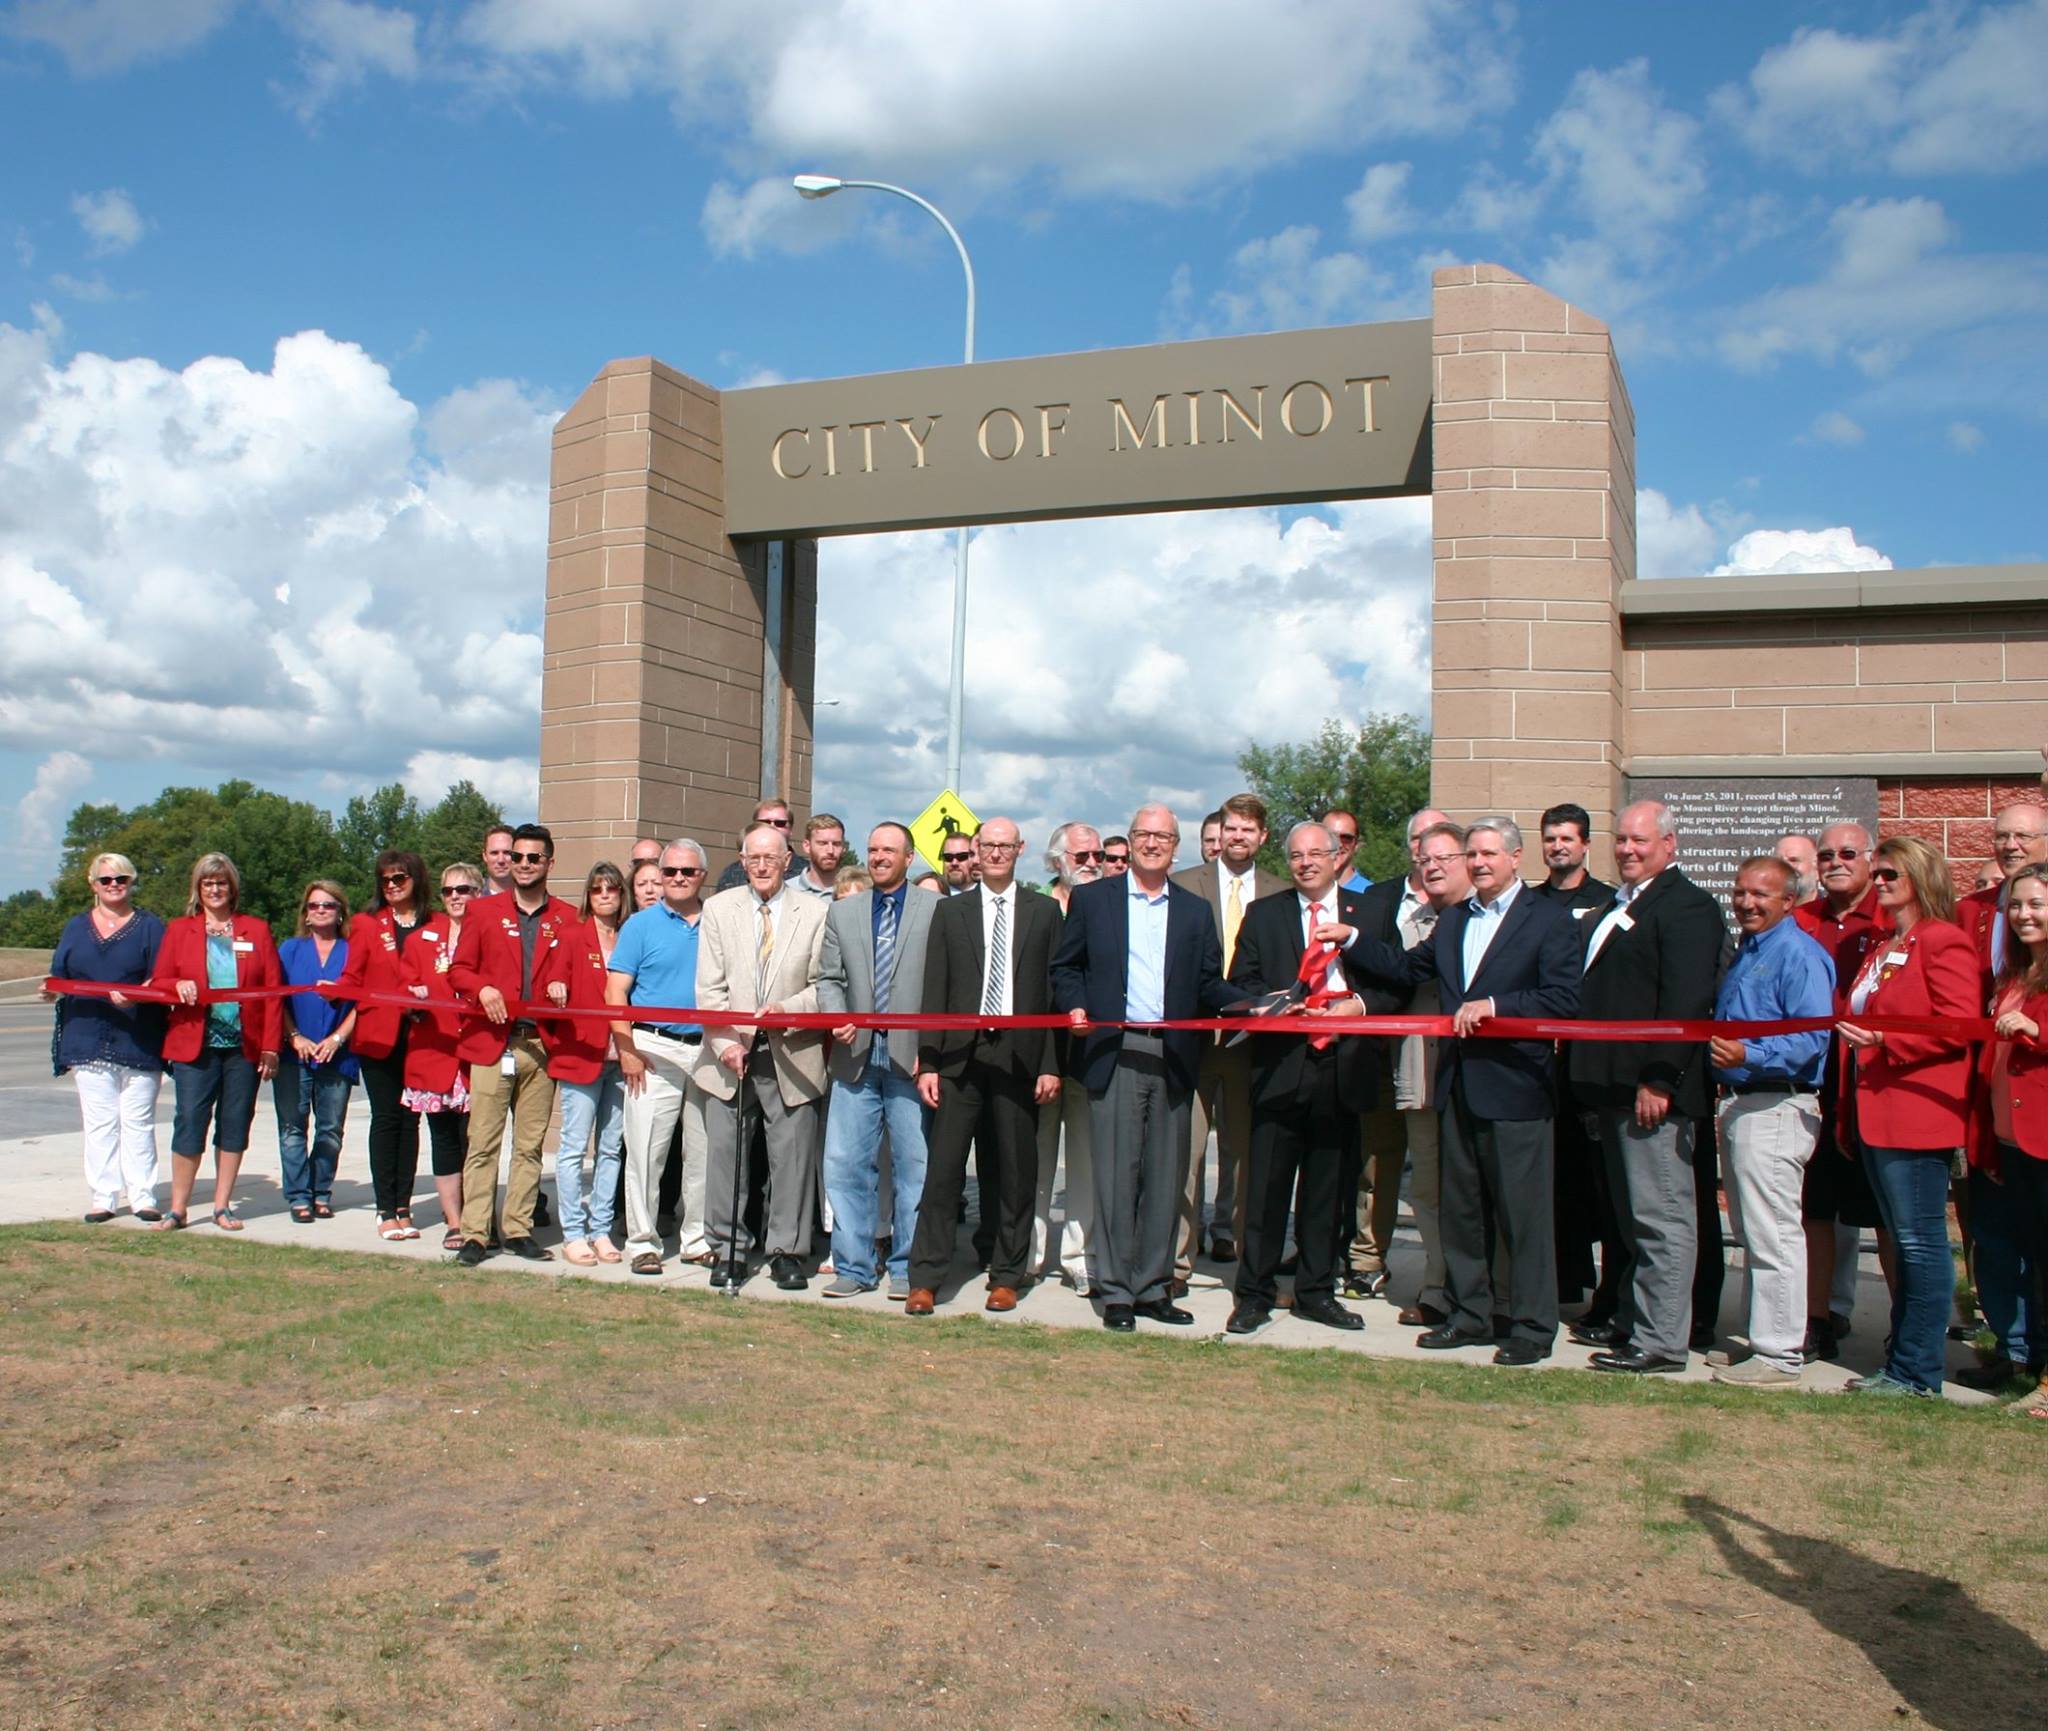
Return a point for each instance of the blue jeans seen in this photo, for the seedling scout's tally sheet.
(218, 1088)
(1912, 1201)
(599, 1105)
(2009, 1221)
(853, 1163)
(298, 1092)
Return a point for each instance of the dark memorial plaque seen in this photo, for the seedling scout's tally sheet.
(1723, 821)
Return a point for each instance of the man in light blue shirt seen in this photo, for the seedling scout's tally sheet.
(1769, 1112)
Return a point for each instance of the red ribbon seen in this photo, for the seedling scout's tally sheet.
(1317, 1028)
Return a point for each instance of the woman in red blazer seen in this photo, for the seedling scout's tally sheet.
(2009, 1152)
(436, 1078)
(219, 1053)
(377, 942)
(1906, 1096)
(585, 1067)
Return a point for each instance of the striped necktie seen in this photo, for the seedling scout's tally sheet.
(764, 954)
(885, 965)
(998, 960)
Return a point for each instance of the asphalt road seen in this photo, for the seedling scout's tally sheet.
(32, 1101)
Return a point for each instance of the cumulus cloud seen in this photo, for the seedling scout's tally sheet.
(1945, 91)
(102, 36)
(1379, 207)
(276, 573)
(31, 842)
(342, 43)
(1631, 165)
(1286, 281)
(1832, 427)
(1794, 552)
(1673, 540)
(111, 222)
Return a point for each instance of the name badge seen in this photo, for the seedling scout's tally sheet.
(243, 946)
(1896, 959)
(1581, 913)
(1626, 923)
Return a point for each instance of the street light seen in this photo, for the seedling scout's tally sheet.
(823, 186)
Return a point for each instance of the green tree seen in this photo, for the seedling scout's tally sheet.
(1379, 772)
(454, 829)
(30, 920)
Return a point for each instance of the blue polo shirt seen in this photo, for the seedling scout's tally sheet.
(658, 948)
(1778, 974)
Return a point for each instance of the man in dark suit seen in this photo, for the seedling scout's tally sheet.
(989, 953)
(1503, 953)
(1655, 955)
(1306, 1100)
(1137, 948)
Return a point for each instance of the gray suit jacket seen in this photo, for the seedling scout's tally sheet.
(846, 975)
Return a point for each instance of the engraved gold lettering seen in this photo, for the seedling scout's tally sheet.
(1255, 423)
(1120, 424)
(1194, 416)
(775, 453)
(1287, 410)
(1048, 428)
(917, 439)
(831, 449)
(866, 429)
(1016, 435)
(1370, 422)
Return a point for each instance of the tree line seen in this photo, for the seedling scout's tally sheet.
(278, 844)
(1379, 772)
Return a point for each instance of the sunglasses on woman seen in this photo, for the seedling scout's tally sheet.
(114, 881)
(323, 907)
(1883, 875)
(458, 889)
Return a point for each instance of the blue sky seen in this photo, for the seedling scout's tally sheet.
(290, 291)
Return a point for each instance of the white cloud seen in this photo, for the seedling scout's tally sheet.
(1835, 428)
(1966, 437)
(1795, 552)
(1286, 281)
(94, 289)
(1891, 284)
(269, 573)
(512, 782)
(1379, 207)
(342, 43)
(101, 36)
(30, 847)
(1631, 166)
(111, 222)
(1948, 90)
(1673, 541)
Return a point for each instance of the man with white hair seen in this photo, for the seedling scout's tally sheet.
(1654, 956)
(1073, 856)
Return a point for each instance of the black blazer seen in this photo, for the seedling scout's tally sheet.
(1268, 959)
(1530, 969)
(1379, 912)
(1088, 973)
(1663, 965)
(953, 967)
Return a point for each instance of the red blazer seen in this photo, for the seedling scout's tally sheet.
(182, 956)
(1913, 1091)
(2027, 1078)
(576, 1048)
(432, 1035)
(375, 964)
(489, 954)
(1977, 914)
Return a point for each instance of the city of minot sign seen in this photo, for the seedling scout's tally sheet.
(1289, 418)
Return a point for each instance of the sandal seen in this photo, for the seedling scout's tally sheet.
(226, 1220)
(452, 1238)
(578, 1251)
(606, 1250)
(406, 1229)
(302, 1214)
(323, 1210)
(389, 1230)
(172, 1221)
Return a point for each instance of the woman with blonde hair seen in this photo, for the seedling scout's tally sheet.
(219, 1052)
(112, 1045)
(1904, 1099)
(315, 1068)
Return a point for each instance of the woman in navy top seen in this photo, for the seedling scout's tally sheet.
(315, 1068)
(113, 1046)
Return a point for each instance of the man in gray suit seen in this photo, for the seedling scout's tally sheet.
(1223, 1086)
(873, 963)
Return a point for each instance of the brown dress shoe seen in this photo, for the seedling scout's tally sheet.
(1420, 1316)
(920, 1301)
(1001, 1298)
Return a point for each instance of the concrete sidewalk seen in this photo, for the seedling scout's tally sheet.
(41, 1178)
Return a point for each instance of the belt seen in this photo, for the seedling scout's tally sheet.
(671, 1033)
(1767, 1085)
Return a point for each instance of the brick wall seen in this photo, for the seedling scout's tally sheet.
(1953, 815)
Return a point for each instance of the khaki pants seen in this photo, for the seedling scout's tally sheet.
(1223, 1101)
(528, 1097)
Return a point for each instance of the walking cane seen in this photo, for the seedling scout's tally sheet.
(742, 1155)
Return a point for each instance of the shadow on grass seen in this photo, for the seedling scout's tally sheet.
(1957, 1665)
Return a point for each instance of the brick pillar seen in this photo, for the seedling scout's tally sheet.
(655, 630)
(1534, 450)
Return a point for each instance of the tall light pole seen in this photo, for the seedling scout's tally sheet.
(823, 186)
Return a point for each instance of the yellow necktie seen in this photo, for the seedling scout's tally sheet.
(1233, 917)
(767, 949)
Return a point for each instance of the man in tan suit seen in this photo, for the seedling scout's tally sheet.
(1228, 885)
(758, 949)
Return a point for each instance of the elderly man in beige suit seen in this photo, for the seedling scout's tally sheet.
(758, 950)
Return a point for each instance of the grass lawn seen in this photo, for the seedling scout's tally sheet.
(250, 1485)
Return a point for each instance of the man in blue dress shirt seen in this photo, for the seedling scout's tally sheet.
(1769, 1113)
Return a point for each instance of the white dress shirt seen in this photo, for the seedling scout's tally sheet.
(1008, 995)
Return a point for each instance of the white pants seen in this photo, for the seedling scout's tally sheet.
(1766, 1141)
(119, 1108)
(1069, 1113)
(651, 1116)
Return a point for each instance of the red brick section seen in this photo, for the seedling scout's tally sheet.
(1953, 815)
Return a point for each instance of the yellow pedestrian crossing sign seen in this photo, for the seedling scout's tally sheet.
(945, 816)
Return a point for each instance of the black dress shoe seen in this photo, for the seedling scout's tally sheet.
(1164, 1310)
(1443, 1337)
(1223, 1248)
(1819, 1342)
(527, 1250)
(721, 1272)
(1520, 1352)
(1627, 1361)
(1120, 1317)
(99, 1217)
(1420, 1315)
(471, 1254)
(1249, 1317)
(788, 1274)
(1328, 1312)
(1607, 1333)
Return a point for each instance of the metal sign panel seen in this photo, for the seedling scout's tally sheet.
(1289, 418)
